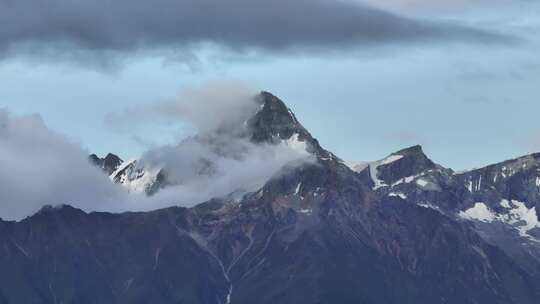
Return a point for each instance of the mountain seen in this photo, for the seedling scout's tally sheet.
(399, 230)
(108, 164)
(129, 174)
(500, 201)
(272, 123)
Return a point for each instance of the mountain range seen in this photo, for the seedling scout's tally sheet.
(403, 229)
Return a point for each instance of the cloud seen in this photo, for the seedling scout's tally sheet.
(95, 31)
(216, 106)
(203, 168)
(39, 167)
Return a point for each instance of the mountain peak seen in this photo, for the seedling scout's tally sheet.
(108, 164)
(404, 163)
(512, 166)
(271, 100)
(60, 210)
(410, 151)
(274, 120)
(271, 122)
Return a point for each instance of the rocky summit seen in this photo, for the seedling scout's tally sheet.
(399, 230)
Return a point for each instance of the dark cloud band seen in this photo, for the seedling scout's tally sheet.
(102, 26)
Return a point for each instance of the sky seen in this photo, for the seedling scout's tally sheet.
(366, 78)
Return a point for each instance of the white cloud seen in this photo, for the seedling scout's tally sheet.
(216, 105)
(203, 170)
(39, 167)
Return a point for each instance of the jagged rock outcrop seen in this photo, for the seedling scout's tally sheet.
(109, 164)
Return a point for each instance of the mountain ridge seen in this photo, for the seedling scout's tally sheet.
(394, 232)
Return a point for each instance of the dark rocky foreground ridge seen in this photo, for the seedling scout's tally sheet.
(400, 230)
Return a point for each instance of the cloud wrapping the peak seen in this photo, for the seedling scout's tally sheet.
(220, 158)
(216, 106)
(80, 29)
(202, 169)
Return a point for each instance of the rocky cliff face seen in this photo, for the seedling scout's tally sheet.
(399, 230)
(500, 201)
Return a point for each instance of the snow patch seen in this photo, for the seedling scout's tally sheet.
(475, 185)
(357, 166)
(422, 182)
(429, 206)
(306, 211)
(410, 179)
(121, 168)
(397, 194)
(294, 143)
(297, 190)
(361, 166)
(374, 177)
(292, 116)
(519, 216)
(139, 180)
(390, 159)
(373, 172)
(479, 186)
(505, 204)
(479, 212)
